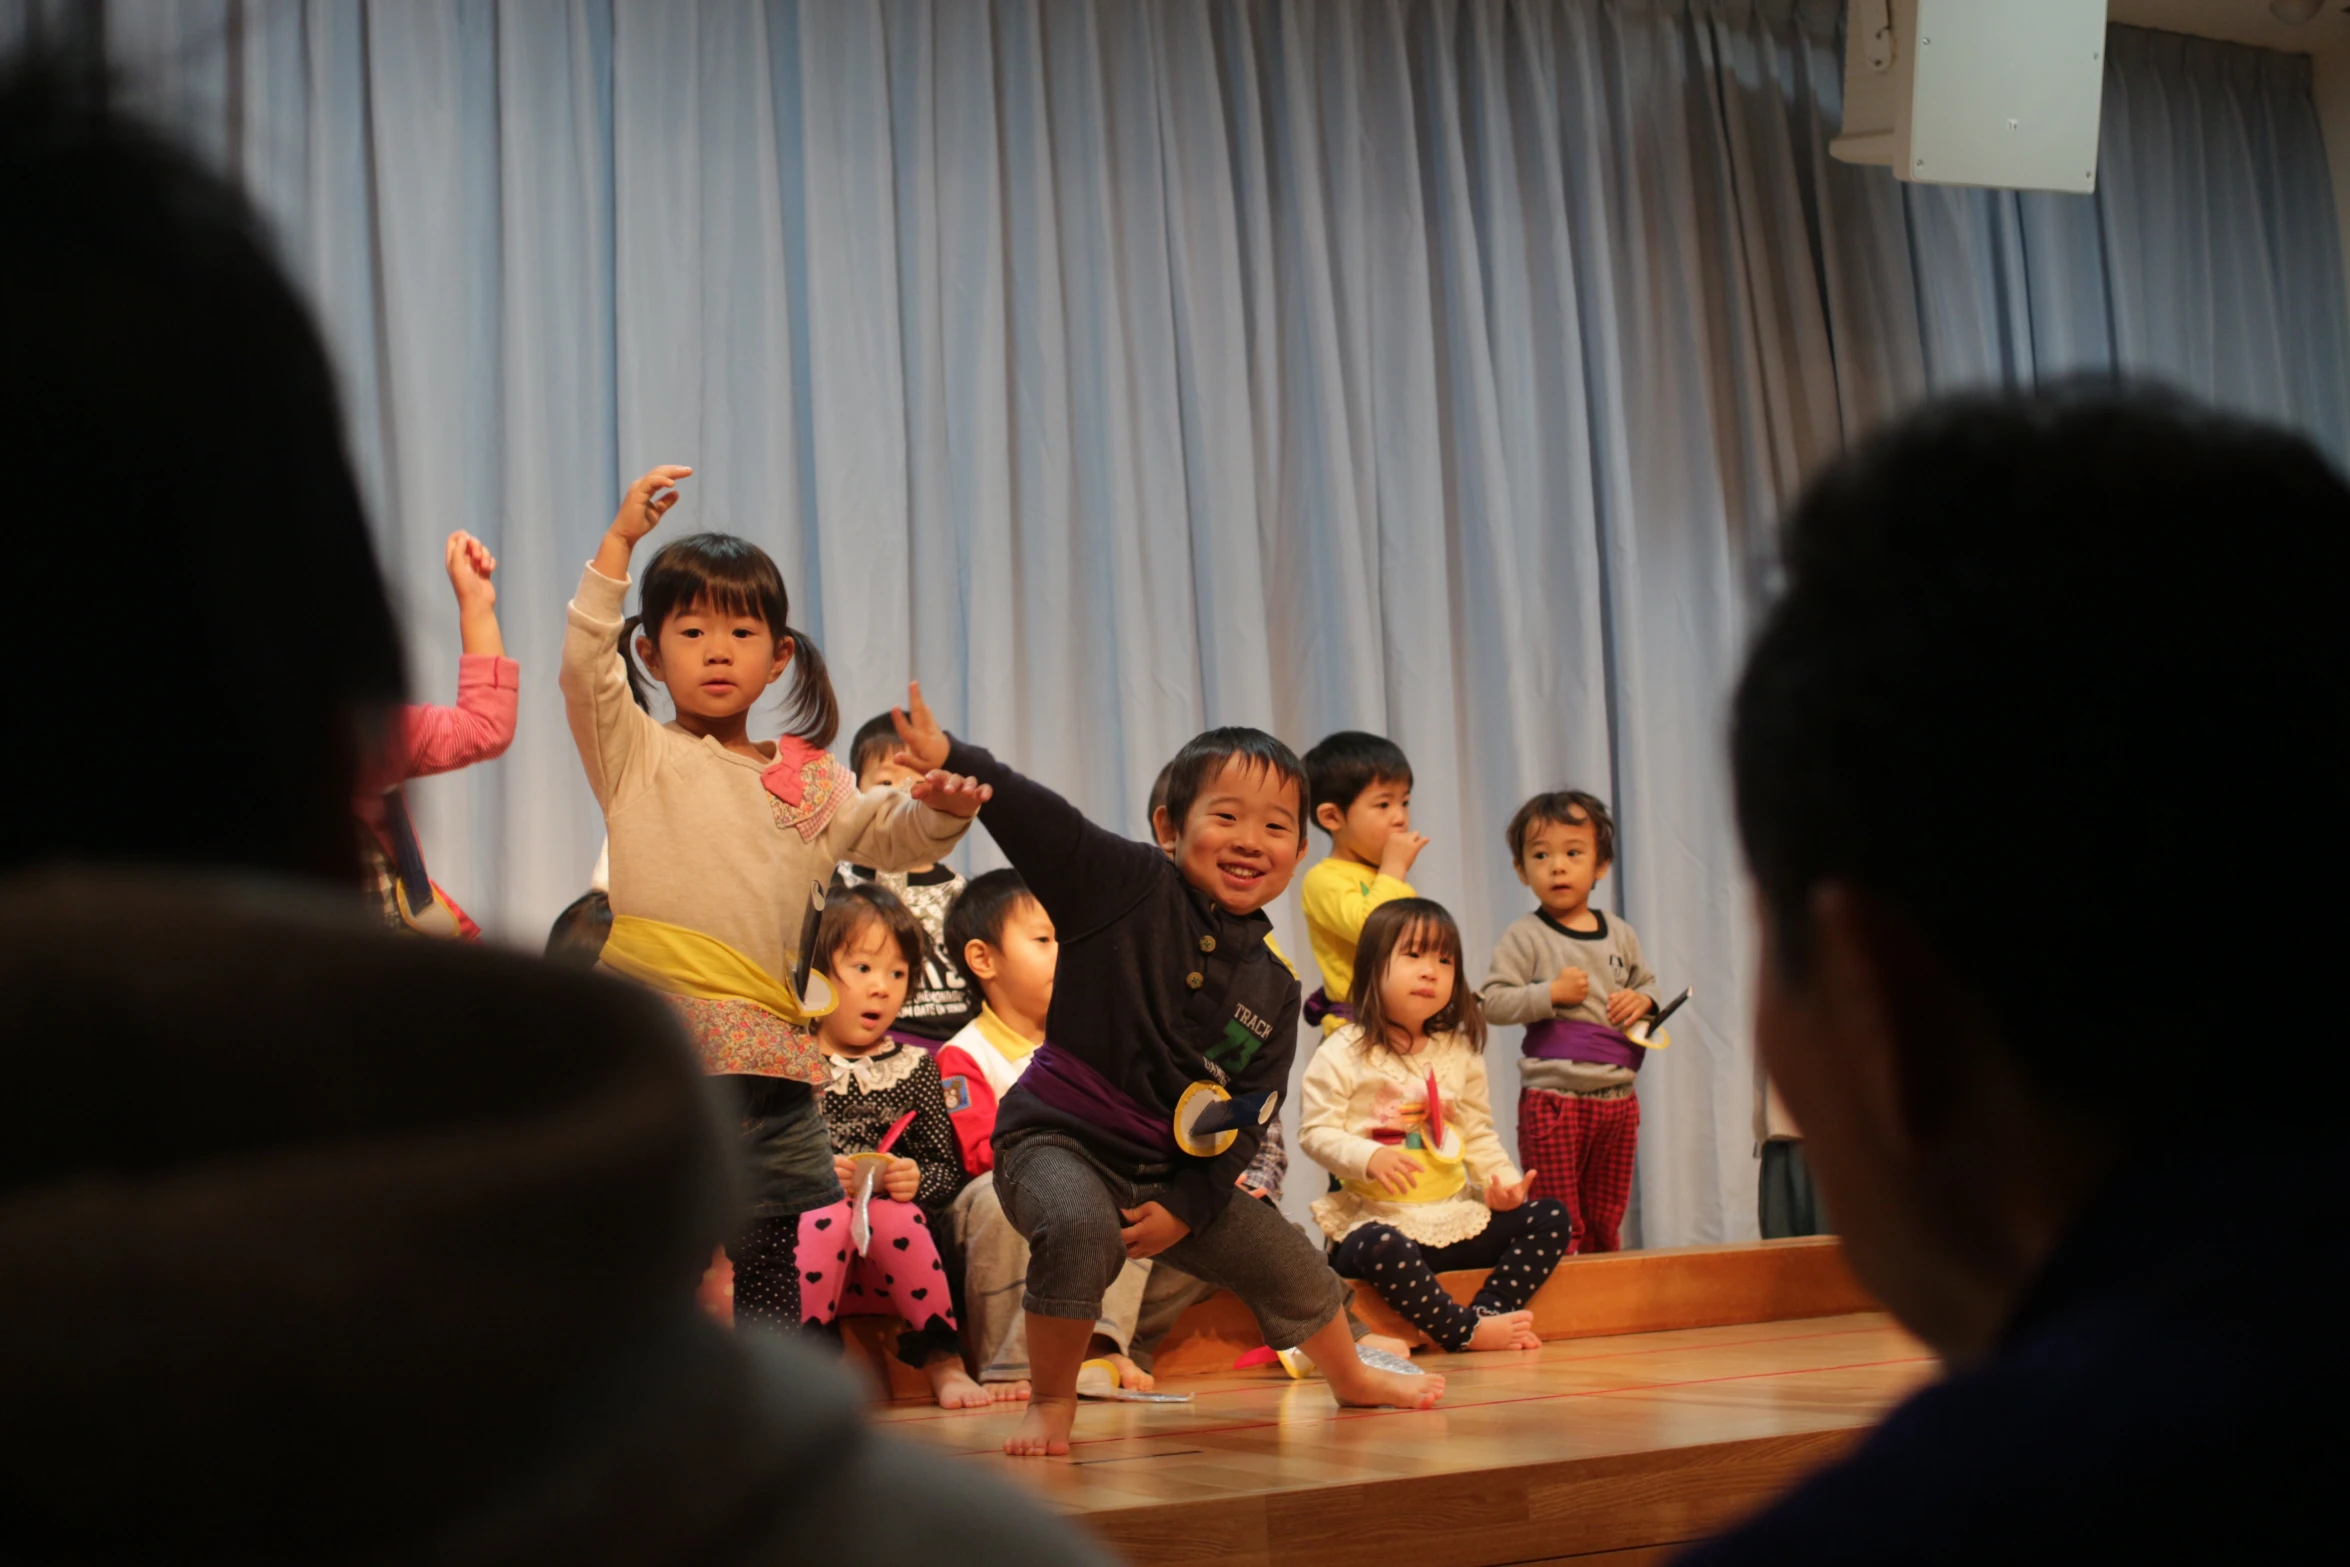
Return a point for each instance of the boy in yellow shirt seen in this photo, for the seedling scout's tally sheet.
(1362, 789)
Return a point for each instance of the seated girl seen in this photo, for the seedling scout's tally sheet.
(1424, 1183)
(883, 1098)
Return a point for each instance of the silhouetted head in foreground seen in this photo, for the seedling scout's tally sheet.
(2029, 766)
(197, 606)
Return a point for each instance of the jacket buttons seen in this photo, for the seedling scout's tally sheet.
(1195, 979)
(1207, 943)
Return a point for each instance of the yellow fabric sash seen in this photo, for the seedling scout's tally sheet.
(1446, 1174)
(687, 963)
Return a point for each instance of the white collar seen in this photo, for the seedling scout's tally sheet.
(884, 1068)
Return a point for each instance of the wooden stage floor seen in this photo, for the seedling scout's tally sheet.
(1625, 1446)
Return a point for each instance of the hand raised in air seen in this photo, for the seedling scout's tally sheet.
(922, 744)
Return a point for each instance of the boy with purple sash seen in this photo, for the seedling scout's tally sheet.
(1576, 979)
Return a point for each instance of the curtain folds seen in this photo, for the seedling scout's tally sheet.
(1429, 366)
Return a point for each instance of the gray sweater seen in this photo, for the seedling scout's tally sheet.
(1517, 990)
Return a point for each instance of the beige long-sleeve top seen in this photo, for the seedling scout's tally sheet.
(699, 836)
(1352, 1093)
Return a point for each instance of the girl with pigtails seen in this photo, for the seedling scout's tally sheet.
(721, 845)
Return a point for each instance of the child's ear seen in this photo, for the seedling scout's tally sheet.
(1329, 818)
(648, 655)
(784, 648)
(980, 959)
(1163, 829)
(1600, 875)
(1519, 865)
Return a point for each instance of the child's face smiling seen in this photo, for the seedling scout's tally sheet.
(1241, 842)
(716, 665)
(1562, 865)
(869, 973)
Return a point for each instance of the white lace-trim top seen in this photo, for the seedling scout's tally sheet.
(884, 1069)
(1351, 1093)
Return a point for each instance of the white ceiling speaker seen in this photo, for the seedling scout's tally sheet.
(2000, 93)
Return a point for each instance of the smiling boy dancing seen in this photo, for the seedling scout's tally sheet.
(1165, 988)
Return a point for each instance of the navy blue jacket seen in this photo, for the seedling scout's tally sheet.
(1157, 988)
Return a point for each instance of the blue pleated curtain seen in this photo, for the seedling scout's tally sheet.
(1429, 366)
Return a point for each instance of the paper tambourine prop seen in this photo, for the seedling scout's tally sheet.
(1207, 1119)
(1442, 1173)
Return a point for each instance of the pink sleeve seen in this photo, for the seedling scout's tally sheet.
(478, 728)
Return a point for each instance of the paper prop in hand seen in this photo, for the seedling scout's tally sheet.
(1207, 1119)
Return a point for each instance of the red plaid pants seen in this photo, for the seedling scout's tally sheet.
(1580, 1150)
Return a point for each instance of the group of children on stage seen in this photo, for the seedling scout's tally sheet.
(915, 1134)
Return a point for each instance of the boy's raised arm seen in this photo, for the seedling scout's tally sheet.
(1083, 874)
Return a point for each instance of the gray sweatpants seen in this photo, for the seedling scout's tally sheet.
(1068, 1204)
(995, 1273)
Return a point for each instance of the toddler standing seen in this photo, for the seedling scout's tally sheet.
(721, 845)
(1362, 792)
(1575, 978)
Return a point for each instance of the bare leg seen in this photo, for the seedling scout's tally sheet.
(1056, 1348)
(1332, 1349)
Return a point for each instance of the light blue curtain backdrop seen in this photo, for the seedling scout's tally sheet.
(1435, 367)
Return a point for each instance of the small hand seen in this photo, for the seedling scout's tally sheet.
(924, 742)
(647, 501)
(471, 565)
(1394, 1170)
(845, 1169)
(951, 793)
(1626, 1007)
(1403, 847)
(1150, 1229)
(902, 1179)
(1570, 987)
(1502, 1198)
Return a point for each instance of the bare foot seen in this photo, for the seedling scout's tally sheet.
(1007, 1392)
(1510, 1330)
(1361, 1387)
(952, 1386)
(1393, 1346)
(1044, 1430)
(1130, 1376)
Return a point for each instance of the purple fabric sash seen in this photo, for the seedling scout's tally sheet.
(1078, 1091)
(1319, 1006)
(1572, 1039)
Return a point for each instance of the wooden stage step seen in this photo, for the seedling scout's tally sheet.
(1597, 1450)
(1610, 1293)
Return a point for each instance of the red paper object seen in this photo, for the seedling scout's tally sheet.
(1435, 1115)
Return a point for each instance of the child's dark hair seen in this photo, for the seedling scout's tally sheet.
(876, 742)
(1204, 756)
(1150, 812)
(1564, 808)
(979, 914)
(722, 574)
(1408, 922)
(1350, 761)
(849, 910)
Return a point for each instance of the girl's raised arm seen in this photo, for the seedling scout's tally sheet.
(615, 737)
(641, 511)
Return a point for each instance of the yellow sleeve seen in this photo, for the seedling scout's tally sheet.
(1338, 896)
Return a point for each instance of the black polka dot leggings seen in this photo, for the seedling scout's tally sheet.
(1521, 1246)
(766, 1276)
